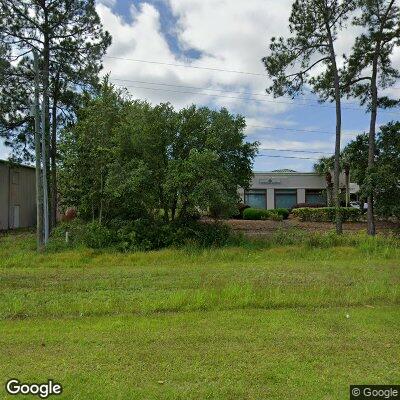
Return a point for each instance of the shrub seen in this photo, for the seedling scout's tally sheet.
(240, 210)
(97, 236)
(284, 212)
(203, 235)
(277, 214)
(307, 205)
(76, 233)
(139, 235)
(274, 216)
(256, 214)
(326, 214)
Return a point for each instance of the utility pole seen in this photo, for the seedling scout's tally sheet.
(44, 175)
(39, 187)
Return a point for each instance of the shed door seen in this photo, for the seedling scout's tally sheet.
(16, 217)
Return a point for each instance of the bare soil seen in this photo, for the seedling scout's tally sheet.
(254, 228)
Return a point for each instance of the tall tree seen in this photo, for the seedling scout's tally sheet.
(370, 68)
(70, 40)
(314, 26)
(324, 167)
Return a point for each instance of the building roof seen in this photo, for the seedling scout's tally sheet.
(283, 172)
(14, 164)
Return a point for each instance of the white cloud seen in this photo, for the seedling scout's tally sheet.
(230, 35)
(238, 43)
(4, 151)
(108, 3)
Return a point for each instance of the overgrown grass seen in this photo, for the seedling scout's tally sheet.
(252, 320)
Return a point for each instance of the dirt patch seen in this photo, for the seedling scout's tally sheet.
(269, 227)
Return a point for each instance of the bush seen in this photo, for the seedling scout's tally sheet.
(97, 236)
(76, 232)
(202, 235)
(141, 235)
(256, 214)
(284, 212)
(277, 214)
(326, 214)
(240, 210)
(307, 205)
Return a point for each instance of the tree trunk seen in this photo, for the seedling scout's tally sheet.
(173, 208)
(38, 175)
(374, 111)
(329, 194)
(101, 199)
(371, 151)
(336, 175)
(45, 128)
(347, 174)
(53, 156)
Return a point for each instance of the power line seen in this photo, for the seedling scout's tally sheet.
(297, 151)
(296, 130)
(298, 158)
(263, 94)
(188, 66)
(246, 98)
(195, 67)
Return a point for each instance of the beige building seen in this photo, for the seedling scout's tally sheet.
(17, 196)
(285, 188)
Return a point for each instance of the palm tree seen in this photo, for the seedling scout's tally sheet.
(324, 167)
(346, 169)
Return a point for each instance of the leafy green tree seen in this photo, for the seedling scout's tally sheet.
(314, 25)
(383, 182)
(324, 167)
(356, 155)
(127, 159)
(386, 179)
(370, 68)
(87, 152)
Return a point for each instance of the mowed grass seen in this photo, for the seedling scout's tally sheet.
(249, 322)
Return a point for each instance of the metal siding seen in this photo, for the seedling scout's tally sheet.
(3, 196)
(23, 194)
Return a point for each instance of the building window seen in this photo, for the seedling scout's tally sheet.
(15, 178)
(315, 196)
(256, 198)
(285, 198)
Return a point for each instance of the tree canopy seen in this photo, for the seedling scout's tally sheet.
(128, 159)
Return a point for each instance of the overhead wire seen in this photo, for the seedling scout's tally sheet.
(246, 99)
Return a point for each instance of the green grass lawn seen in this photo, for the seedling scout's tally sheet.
(251, 322)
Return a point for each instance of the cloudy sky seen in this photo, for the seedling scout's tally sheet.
(152, 39)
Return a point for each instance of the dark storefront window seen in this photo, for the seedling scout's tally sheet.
(285, 198)
(315, 197)
(256, 198)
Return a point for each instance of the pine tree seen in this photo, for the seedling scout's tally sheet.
(370, 68)
(70, 40)
(314, 25)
